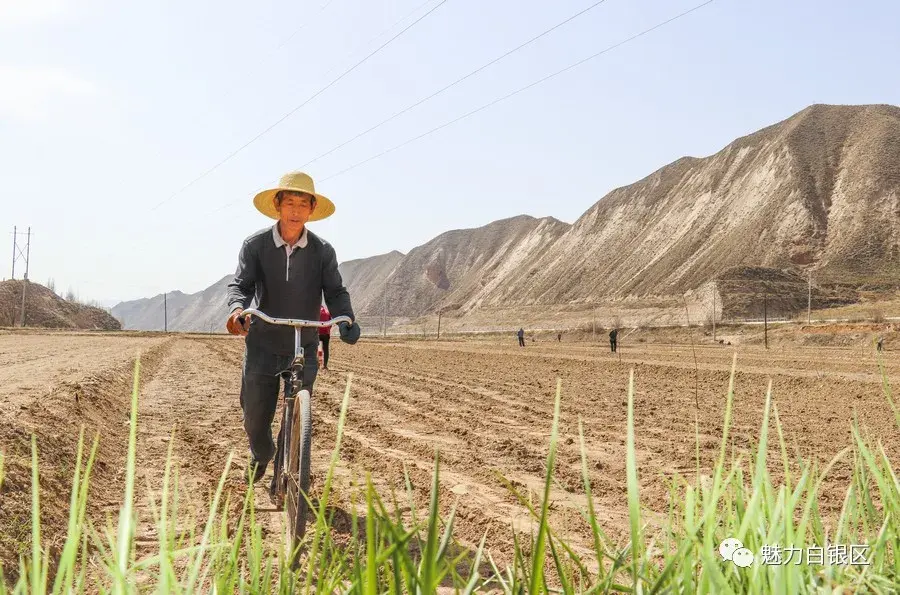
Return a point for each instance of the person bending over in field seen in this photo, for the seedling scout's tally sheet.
(288, 269)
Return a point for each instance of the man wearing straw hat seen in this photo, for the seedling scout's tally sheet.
(288, 269)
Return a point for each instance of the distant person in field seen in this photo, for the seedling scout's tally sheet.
(559, 337)
(613, 338)
(288, 270)
(521, 335)
(324, 335)
(879, 344)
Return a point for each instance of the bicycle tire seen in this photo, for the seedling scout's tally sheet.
(289, 487)
(303, 466)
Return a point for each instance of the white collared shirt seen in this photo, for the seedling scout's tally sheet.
(288, 248)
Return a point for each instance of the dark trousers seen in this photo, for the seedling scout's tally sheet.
(612, 345)
(521, 341)
(260, 390)
(325, 340)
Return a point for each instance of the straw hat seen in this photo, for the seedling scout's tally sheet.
(297, 182)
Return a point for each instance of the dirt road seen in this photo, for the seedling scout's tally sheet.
(486, 407)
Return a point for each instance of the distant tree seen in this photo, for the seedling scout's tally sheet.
(70, 295)
(51, 284)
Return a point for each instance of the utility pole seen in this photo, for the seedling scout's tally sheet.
(766, 318)
(165, 312)
(384, 312)
(440, 311)
(715, 287)
(809, 299)
(17, 254)
(594, 325)
(24, 286)
(14, 253)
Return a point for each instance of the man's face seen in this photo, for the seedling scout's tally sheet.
(295, 209)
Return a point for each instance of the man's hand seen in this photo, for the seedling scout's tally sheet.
(349, 332)
(234, 326)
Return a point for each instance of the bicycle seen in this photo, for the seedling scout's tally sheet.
(290, 488)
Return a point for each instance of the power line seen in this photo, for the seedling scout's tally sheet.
(447, 87)
(301, 27)
(283, 43)
(297, 108)
(456, 82)
(333, 68)
(296, 31)
(312, 20)
(380, 35)
(258, 63)
(517, 91)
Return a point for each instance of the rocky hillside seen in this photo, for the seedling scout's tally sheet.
(204, 311)
(819, 190)
(365, 277)
(459, 268)
(818, 193)
(148, 314)
(43, 308)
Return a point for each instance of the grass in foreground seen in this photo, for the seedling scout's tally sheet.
(389, 555)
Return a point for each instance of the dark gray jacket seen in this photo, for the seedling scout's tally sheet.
(286, 288)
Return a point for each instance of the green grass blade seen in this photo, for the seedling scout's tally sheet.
(371, 587)
(321, 524)
(537, 559)
(428, 571)
(38, 584)
(783, 446)
(561, 573)
(167, 578)
(125, 537)
(634, 510)
(193, 581)
(596, 532)
(474, 573)
(66, 567)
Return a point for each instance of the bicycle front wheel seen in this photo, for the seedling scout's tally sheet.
(297, 508)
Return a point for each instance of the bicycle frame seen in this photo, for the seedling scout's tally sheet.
(293, 470)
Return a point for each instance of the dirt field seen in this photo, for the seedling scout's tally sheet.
(486, 405)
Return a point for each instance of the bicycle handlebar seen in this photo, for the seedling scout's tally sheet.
(295, 322)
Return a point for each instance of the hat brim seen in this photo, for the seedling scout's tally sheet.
(265, 204)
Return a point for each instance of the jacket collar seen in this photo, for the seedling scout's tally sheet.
(280, 243)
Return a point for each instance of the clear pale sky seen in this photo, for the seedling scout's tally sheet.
(108, 108)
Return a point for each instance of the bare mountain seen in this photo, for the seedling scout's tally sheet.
(819, 190)
(204, 311)
(818, 193)
(365, 277)
(459, 268)
(149, 314)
